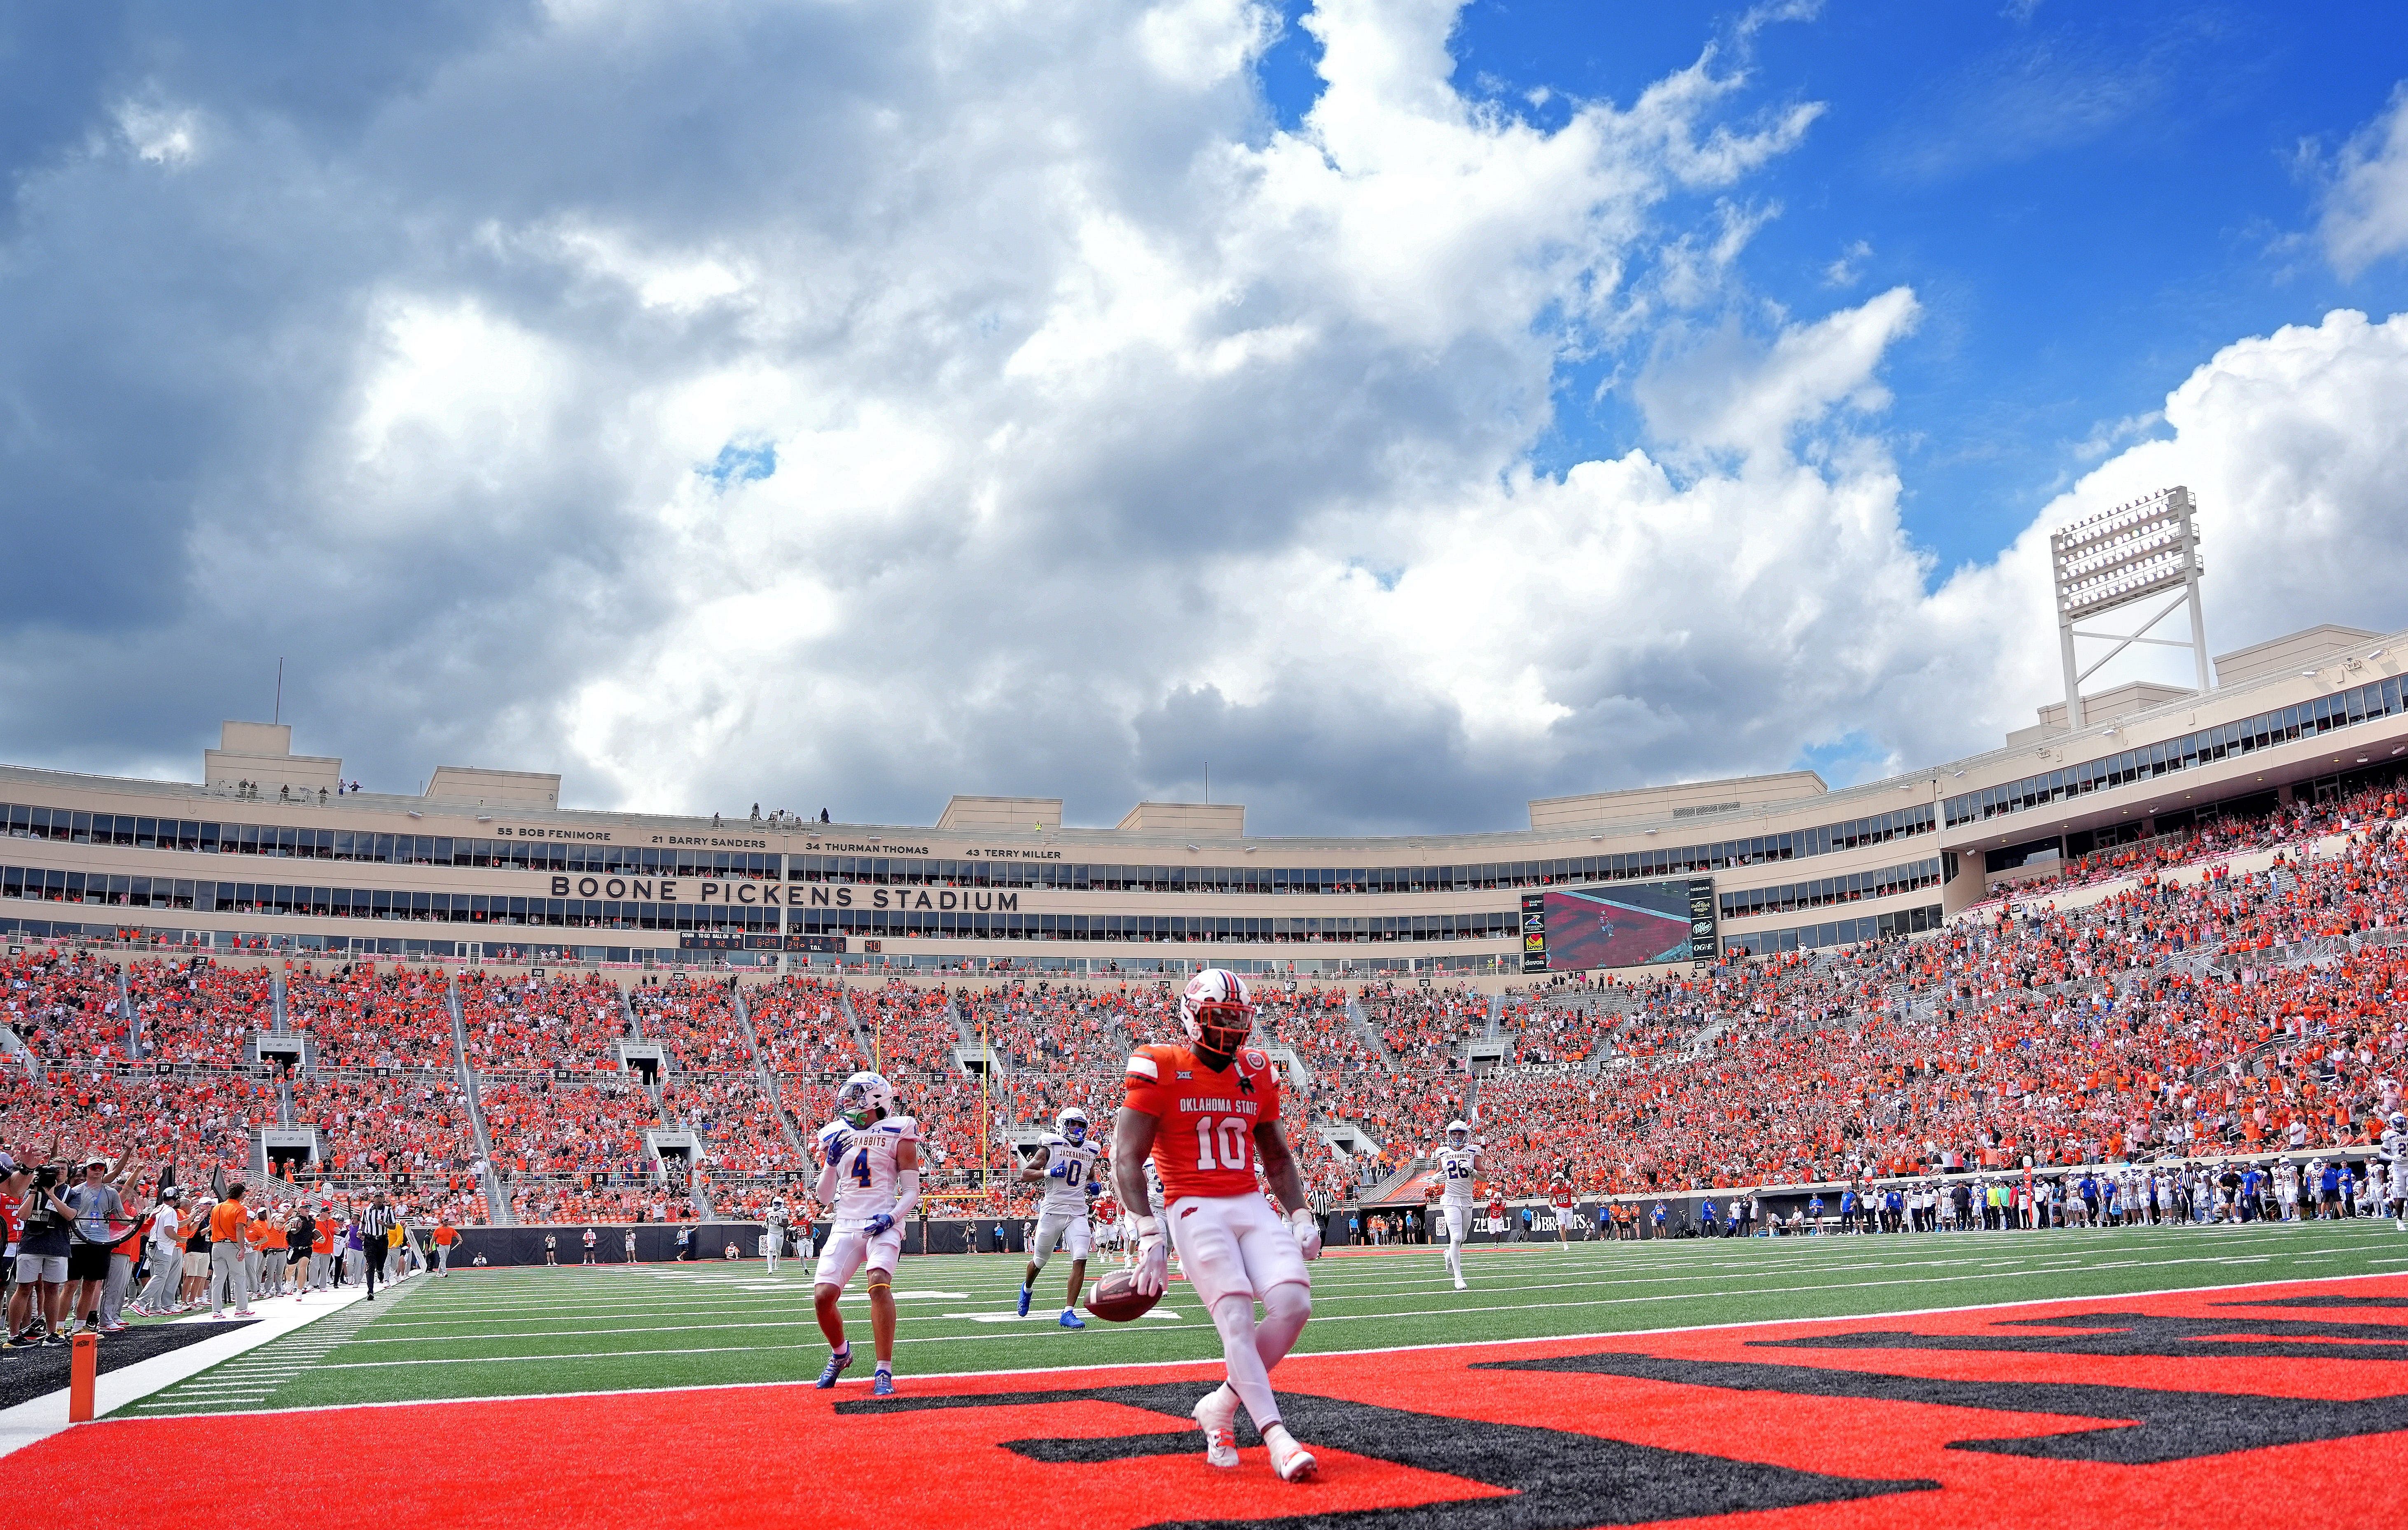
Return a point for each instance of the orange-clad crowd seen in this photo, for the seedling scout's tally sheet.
(2177, 1013)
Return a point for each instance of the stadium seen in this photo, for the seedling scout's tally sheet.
(606, 1040)
(1751, 963)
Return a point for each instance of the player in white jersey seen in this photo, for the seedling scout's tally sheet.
(1456, 1163)
(773, 1235)
(1069, 1175)
(871, 1182)
(2395, 1158)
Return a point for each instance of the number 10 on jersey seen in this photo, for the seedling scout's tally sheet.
(1234, 1140)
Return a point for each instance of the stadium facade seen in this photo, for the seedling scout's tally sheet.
(269, 849)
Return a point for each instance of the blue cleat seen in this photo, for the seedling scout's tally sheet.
(1070, 1319)
(836, 1367)
(1024, 1301)
(882, 1384)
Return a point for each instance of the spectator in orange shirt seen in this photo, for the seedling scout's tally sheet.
(229, 1240)
(322, 1251)
(272, 1245)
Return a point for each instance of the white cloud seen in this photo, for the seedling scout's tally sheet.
(1092, 399)
(2365, 213)
(165, 135)
(1850, 267)
(1199, 43)
(1727, 394)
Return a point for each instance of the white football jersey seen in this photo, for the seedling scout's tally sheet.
(1069, 1166)
(865, 1160)
(1455, 1169)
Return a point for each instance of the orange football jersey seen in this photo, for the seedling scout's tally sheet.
(1205, 1144)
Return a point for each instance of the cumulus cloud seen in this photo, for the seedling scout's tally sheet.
(2365, 213)
(847, 406)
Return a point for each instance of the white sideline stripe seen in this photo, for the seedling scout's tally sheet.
(1320, 1296)
(1315, 1354)
(31, 1422)
(1325, 1292)
(1352, 1317)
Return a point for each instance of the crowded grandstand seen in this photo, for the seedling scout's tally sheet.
(2190, 1012)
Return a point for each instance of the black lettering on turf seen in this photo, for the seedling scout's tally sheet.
(2144, 1426)
(1561, 1480)
(2131, 1333)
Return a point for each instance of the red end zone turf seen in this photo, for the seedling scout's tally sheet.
(2281, 1404)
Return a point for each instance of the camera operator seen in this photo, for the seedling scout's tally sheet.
(38, 1309)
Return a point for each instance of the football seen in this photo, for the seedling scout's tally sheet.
(1115, 1298)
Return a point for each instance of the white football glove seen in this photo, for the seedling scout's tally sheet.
(1152, 1257)
(1307, 1232)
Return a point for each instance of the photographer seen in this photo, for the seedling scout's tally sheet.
(38, 1309)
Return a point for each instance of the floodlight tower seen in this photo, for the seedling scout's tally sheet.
(2117, 559)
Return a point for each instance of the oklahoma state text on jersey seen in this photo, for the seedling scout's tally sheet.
(1205, 1144)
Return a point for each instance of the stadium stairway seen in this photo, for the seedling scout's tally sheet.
(498, 1211)
(1369, 1033)
(968, 1050)
(1372, 1195)
(279, 1025)
(125, 1012)
(761, 1069)
(853, 1018)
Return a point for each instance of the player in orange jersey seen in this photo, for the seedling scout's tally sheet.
(1206, 1114)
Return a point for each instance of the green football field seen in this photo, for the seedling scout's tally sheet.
(526, 1331)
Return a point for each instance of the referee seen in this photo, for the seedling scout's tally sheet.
(375, 1226)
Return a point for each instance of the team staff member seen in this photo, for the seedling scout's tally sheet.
(229, 1247)
(445, 1235)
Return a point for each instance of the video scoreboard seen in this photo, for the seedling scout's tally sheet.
(1623, 924)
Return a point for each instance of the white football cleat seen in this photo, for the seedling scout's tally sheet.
(1460, 1284)
(1216, 1414)
(1293, 1461)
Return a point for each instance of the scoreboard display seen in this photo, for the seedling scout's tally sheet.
(1624, 924)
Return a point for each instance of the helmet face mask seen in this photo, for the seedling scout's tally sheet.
(1216, 1011)
(1457, 1133)
(866, 1098)
(1072, 1124)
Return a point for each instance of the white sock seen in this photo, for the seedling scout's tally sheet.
(1249, 1378)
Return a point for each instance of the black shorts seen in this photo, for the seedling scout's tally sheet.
(88, 1262)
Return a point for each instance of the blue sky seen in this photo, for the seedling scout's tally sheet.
(1412, 406)
(2089, 200)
